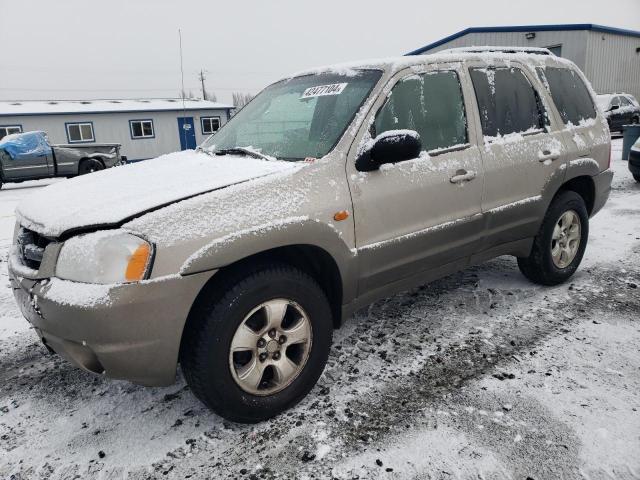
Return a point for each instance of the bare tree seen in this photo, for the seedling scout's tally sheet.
(241, 99)
(211, 96)
(187, 95)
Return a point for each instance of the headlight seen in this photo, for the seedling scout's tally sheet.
(110, 256)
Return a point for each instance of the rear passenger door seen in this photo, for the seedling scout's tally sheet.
(422, 213)
(523, 149)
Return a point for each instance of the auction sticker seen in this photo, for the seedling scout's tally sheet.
(323, 90)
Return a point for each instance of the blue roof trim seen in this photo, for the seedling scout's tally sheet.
(104, 112)
(527, 28)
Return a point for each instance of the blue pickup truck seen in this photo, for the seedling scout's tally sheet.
(30, 156)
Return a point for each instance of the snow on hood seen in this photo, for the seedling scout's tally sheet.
(117, 194)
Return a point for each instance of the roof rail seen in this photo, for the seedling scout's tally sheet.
(531, 50)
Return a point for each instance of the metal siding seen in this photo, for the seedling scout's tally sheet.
(613, 65)
(573, 42)
(114, 128)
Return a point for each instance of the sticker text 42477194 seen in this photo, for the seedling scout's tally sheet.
(323, 90)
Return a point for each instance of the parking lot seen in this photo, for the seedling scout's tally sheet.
(479, 375)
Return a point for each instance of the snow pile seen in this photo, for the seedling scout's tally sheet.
(113, 195)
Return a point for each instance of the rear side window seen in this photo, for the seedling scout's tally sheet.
(431, 104)
(507, 101)
(569, 93)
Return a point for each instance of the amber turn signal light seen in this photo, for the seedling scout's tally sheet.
(341, 215)
(137, 266)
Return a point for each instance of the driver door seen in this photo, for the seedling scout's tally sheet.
(425, 213)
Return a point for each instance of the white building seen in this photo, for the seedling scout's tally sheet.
(146, 128)
(608, 56)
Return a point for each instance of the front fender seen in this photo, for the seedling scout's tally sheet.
(231, 248)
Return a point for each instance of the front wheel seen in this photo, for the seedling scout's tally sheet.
(559, 246)
(261, 346)
(636, 177)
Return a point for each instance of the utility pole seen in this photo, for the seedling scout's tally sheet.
(202, 77)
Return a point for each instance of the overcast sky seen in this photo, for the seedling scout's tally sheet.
(77, 49)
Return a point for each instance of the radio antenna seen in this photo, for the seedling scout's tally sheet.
(182, 92)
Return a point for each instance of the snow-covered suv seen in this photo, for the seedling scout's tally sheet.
(331, 189)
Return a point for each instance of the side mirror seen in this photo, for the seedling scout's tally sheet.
(392, 146)
(614, 107)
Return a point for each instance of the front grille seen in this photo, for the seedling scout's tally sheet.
(31, 247)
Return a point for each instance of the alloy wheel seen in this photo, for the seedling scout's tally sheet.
(270, 347)
(565, 240)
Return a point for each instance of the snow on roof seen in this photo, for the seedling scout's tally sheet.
(483, 53)
(34, 107)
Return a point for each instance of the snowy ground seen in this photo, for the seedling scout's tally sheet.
(478, 375)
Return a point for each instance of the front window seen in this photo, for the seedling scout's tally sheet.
(432, 105)
(299, 117)
(80, 132)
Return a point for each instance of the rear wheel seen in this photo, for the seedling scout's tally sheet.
(559, 246)
(636, 177)
(261, 346)
(89, 165)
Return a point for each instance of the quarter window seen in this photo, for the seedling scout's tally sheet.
(210, 125)
(569, 93)
(9, 129)
(80, 132)
(507, 101)
(432, 105)
(141, 128)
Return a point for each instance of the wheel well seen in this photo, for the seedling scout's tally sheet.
(584, 187)
(91, 158)
(313, 260)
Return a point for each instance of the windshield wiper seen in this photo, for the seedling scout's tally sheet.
(244, 151)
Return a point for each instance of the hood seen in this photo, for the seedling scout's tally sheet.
(110, 197)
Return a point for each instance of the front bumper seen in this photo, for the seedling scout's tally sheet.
(602, 184)
(129, 331)
(634, 162)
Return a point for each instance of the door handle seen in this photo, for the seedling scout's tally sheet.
(463, 176)
(545, 155)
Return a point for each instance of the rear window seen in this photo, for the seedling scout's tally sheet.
(507, 101)
(569, 93)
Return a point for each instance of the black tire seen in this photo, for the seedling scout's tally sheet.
(89, 165)
(636, 177)
(213, 322)
(539, 266)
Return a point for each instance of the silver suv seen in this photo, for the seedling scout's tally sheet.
(331, 189)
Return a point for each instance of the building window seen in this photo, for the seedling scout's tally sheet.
(9, 129)
(210, 125)
(141, 129)
(556, 50)
(80, 132)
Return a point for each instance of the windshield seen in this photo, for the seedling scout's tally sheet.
(296, 118)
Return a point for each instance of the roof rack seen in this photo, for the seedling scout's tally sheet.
(530, 50)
